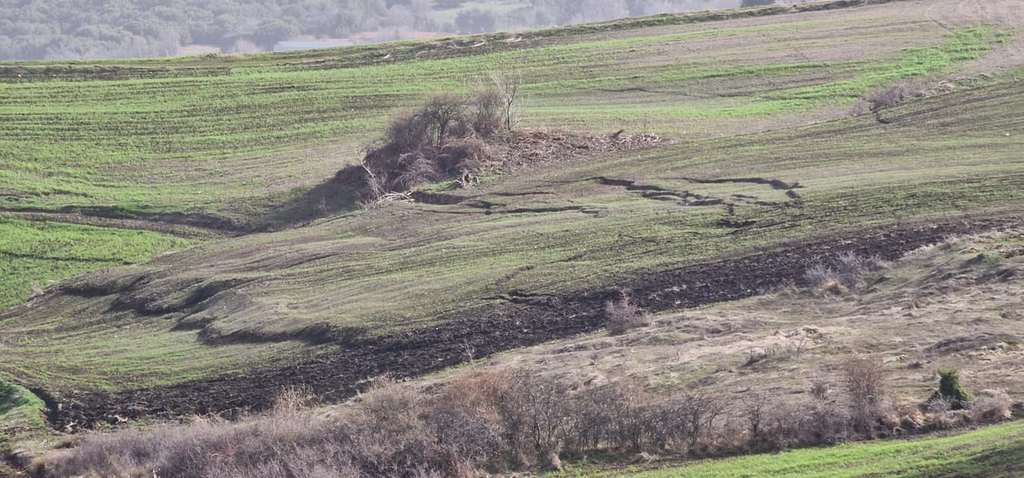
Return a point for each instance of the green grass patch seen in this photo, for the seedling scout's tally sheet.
(37, 254)
(990, 452)
(21, 412)
(963, 45)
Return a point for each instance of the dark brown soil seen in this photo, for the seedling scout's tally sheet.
(520, 319)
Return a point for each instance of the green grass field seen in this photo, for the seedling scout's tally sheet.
(21, 413)
(237, 137)
(993, 452)
(440, 260)
(410, 265)
(34, 254)
(117, 179)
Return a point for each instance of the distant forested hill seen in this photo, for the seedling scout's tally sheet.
(71, 29)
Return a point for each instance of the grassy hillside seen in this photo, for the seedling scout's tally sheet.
(196, 142)
(223, 142)
(763, 151)
(411, 265)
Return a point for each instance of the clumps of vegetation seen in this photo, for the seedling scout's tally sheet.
(775, 353)
(888, 97)
(951, 391)
(865, 383)
(894, 95)
(490, 421)
(453, 139)
(447, 138)
(847, 273)
(952, 406)
(623, 315)
(991, 406)
(496, 421)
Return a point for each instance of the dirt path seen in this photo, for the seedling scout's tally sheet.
(523, 320)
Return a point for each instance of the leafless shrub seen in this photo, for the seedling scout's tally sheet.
(415, 168)
(852, 268)
(408, 132)
(991, 406)
(893, 95)
(775, 425)
(847, 274)
(688, 420)
(776, 352)
(534, 415)
(820, 389)
(945, 419)
(508, 83)
(826, 422)
(444, 115)
(864, 380)
(824, 279)
(494, 421)
(488, 112)
(623, 315)
(937, 405)
(437, 142)
(912, 419)
(619, 416)
(755, 412)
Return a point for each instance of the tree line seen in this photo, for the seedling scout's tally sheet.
(74, 29)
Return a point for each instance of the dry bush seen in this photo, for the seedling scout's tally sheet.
(535, 415)
(619, 416)
(865, 382)
(775, 353)
(687, 423)
(491, 422)
(755, 412)
(820, 389)
(942, 417)
(386, 434)
(826, 422)
(445, 117)
(488, 112)
(623, 315)
(824, 279)
(991, 406)
(848, 273)
(508, 84)
(892, 95)
(408, 132)
(852, 268)
(774, 425)
(437, 142)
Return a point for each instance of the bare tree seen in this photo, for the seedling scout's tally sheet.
(508, 83)
(442, 112)
(865, 383)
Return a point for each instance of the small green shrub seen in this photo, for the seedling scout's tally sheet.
(951, 390)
